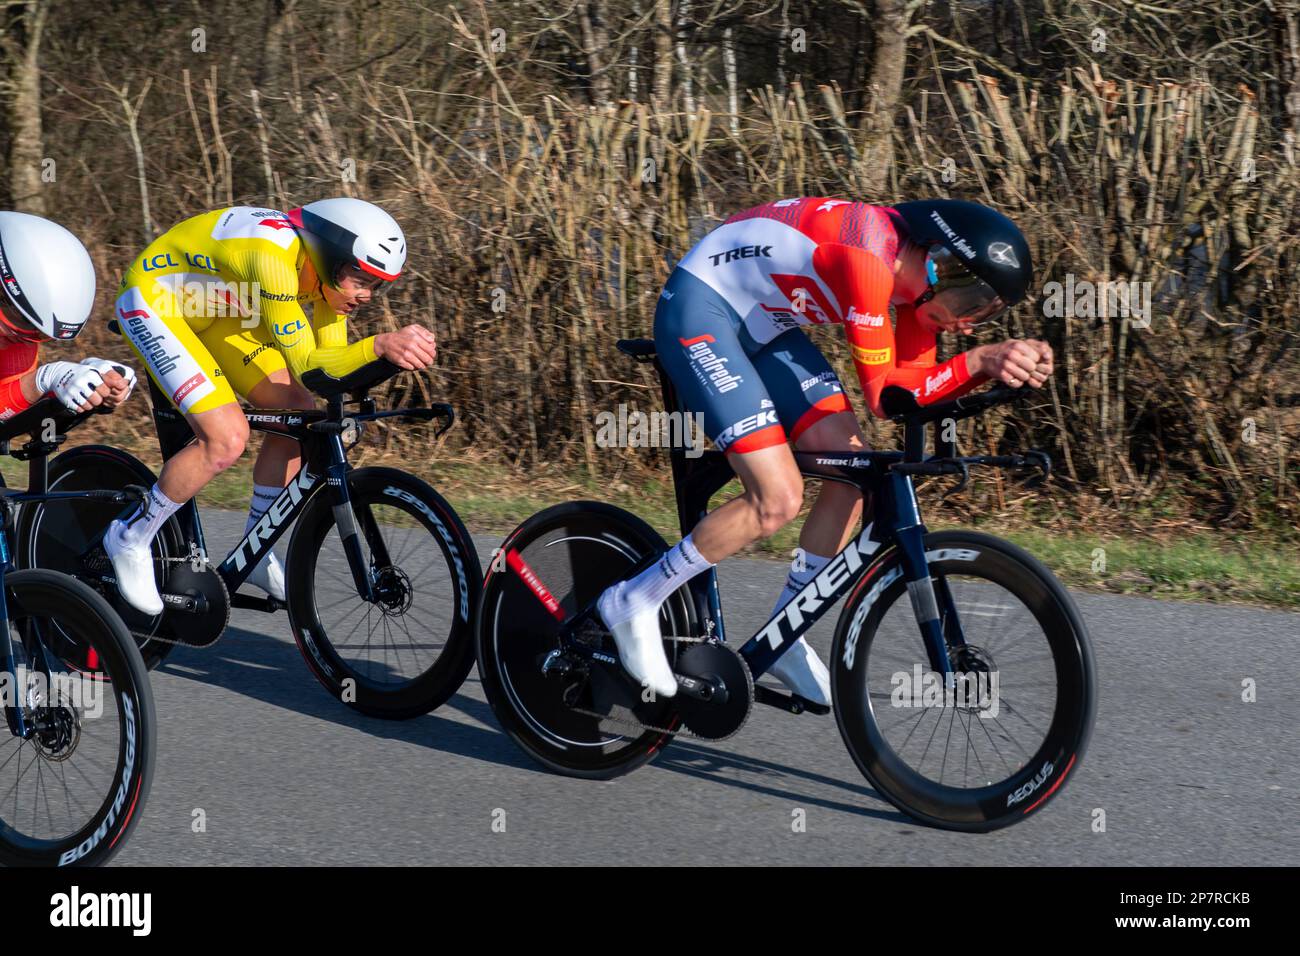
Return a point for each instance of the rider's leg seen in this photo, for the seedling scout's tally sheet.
(699, 345)
(221, 434)
(772, 498)
(277, 461)
(828, 528)
(157, 327)
(811, 401)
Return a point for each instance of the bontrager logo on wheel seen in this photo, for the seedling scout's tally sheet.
(461, 583)
(119, 798)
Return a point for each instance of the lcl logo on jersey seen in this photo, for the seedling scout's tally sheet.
(1003, 254)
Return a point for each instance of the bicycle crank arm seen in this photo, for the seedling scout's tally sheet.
(250, 602)
(710, 690)
(790, 703)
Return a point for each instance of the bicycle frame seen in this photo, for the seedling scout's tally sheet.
(895, 525)
(324, 466)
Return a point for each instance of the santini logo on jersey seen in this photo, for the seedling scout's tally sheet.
(744, 252)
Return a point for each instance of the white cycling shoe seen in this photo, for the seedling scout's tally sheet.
(801, 670)
(133, 568)
(640, 643)
(269, 576)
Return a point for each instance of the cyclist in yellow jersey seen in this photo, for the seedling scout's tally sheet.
(241, 302)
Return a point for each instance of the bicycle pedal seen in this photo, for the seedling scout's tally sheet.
(790, 703)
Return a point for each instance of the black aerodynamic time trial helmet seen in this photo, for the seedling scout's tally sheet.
(977, 261)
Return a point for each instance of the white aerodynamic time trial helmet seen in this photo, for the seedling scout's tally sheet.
(350, 232)
(48, 279)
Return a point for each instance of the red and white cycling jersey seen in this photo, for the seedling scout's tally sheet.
(813, 261)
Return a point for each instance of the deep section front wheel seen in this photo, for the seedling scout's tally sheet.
(75, 771)
(575, 550)
(998, 744)
(407, 650)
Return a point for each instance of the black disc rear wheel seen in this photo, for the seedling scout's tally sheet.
(65, 535)
(576, 550)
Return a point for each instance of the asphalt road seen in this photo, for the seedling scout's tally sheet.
(277, 772)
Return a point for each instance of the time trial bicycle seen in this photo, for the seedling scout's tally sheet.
(381, 577)
(962, 676)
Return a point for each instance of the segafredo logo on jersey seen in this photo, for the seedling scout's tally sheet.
(709, 364)
(275, 516)
(819, 593)
(936, 382)
(150, 344)
(864, 319)
(958, 243)
(742, 252)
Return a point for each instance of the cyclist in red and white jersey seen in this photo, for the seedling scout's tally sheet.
(728, 332)
(47, 289)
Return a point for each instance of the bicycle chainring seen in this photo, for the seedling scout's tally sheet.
(715, 719)
(189, 628)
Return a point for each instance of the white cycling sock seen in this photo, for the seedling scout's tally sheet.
(797, 580)
(651, 587)
(263, 497)
(138, 530)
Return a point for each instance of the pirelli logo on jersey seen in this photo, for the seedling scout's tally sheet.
(871, 356)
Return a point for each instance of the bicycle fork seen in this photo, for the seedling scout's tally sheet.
(932, 603)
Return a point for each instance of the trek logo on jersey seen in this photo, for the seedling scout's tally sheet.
(871, 356)
(933, 385)
(709, 367)
(743, 427)
(864, 319)
(742, 252)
